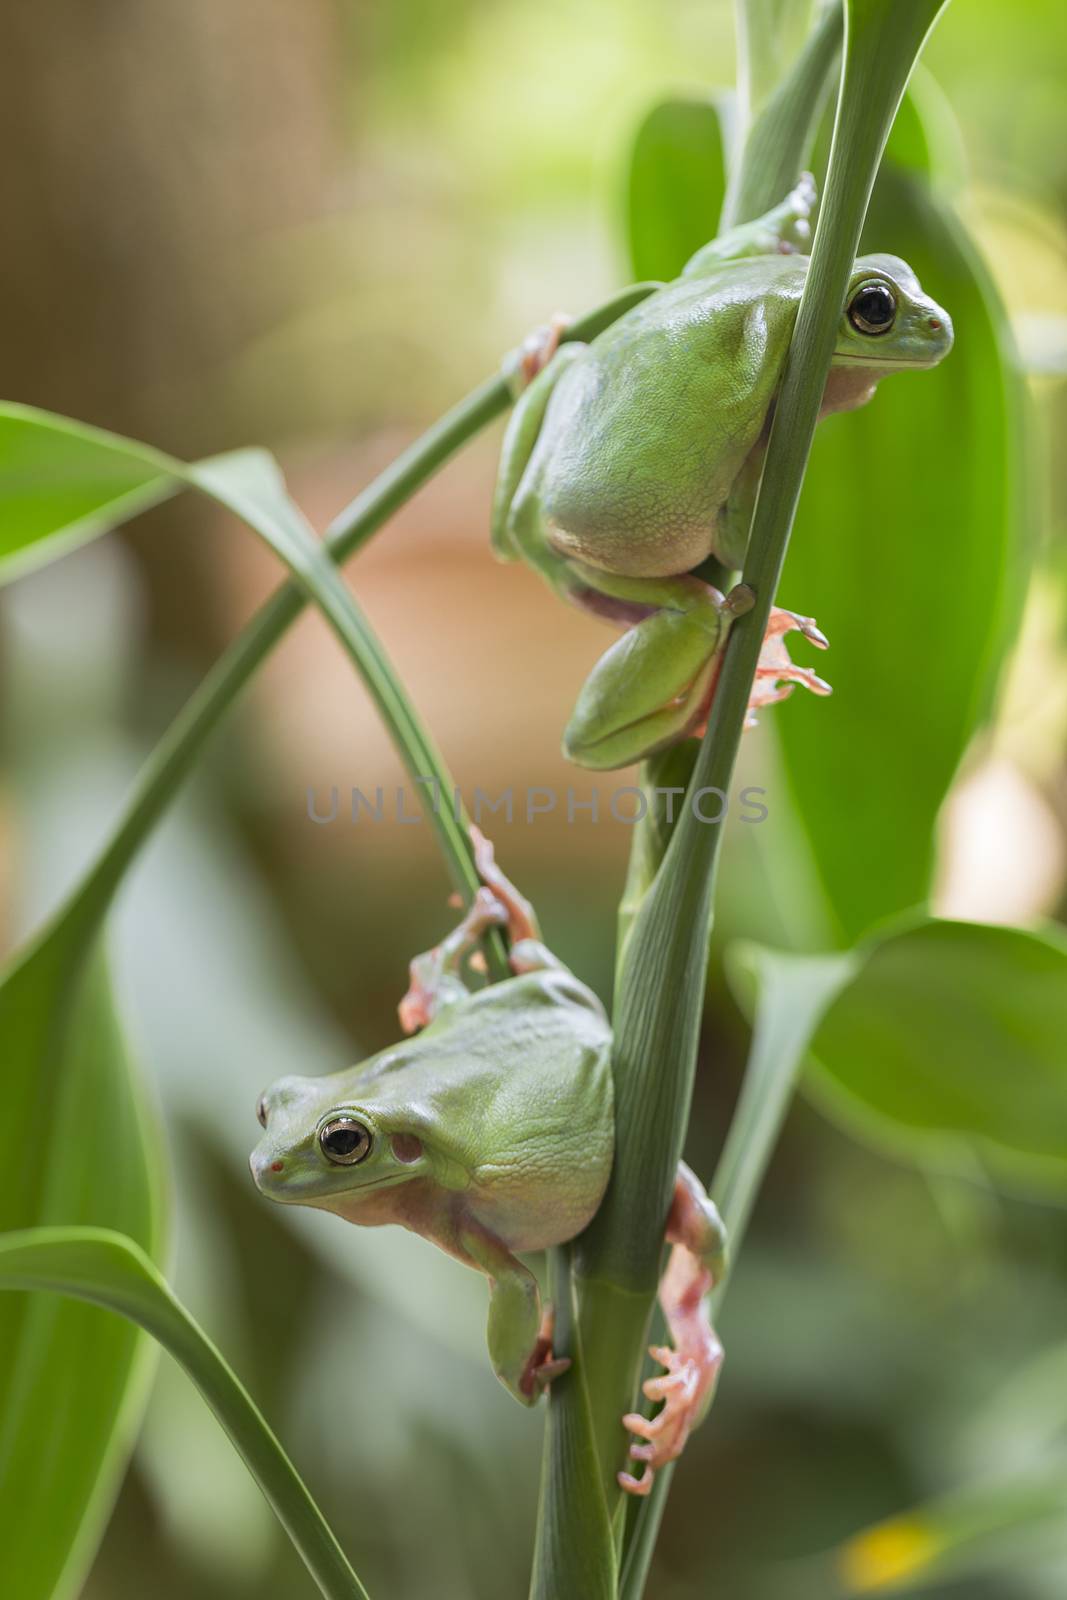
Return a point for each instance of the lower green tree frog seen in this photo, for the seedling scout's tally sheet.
(490, 1130)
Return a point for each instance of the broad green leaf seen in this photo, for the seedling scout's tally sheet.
(76, 1146)
(906, 550)
(677, 180)
(952, 1034)
(107, 1269)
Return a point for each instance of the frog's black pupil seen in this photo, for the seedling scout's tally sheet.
(342, 1141)
(874, 308)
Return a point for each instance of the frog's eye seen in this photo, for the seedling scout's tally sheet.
(261, 1110)
(344, 1141)
(872, 309)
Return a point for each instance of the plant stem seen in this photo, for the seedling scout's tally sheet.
(660, 1002)
(794, 992)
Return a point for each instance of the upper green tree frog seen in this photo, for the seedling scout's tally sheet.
(629, 460)
(491, 1133)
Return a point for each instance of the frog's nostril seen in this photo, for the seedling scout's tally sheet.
(277, 1166)
(934, 324)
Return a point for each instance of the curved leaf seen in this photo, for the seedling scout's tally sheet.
(52, 500)
(952, 1034)
(75, 1146)
(906, 550)
(107, 1269)
(676, 184)
(250, 484)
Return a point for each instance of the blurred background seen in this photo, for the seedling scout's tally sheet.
(313, 224)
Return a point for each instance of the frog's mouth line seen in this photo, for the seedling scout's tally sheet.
(874, 364)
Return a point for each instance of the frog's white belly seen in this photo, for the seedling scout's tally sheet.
(679, 546)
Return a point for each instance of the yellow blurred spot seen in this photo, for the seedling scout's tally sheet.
(880, 1558)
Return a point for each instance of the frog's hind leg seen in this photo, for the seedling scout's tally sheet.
(436, 978)
(654, 684)
(697, 1262)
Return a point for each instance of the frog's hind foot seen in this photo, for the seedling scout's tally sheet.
(435, 977)
(776, 673)
(543, 1366)
(691, 1369)
(686, 1386)
(521, 917)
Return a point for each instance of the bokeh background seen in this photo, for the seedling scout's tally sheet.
(314, 224)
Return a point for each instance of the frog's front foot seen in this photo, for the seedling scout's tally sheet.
(775, 672)
(535, 352)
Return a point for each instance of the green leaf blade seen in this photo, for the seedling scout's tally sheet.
(62, 484)
(76, 1145)
(908, 553)
(676, 184)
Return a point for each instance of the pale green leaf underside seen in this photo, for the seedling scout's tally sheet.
(951, 1035)
(942, 1045)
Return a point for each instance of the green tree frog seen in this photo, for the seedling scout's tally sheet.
(631, 459)
(490, 1132)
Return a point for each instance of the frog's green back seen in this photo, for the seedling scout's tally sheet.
(512, 1088)
(668, 402)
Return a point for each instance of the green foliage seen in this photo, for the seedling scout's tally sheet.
(104, 1268)
(76, 1146)
(907, 549)
(54, 499)
(249, 484)
(677, 182)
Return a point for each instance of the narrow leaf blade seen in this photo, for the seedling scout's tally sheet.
(106, 1269)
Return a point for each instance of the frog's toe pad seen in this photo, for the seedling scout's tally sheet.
(776, 674)
(683, 1389)
(538, 348)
